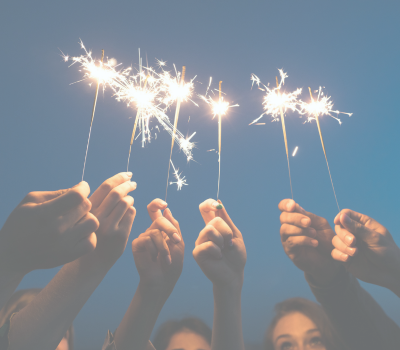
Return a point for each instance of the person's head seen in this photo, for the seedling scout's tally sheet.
(300, 324)
(22, 298)
(187, 334)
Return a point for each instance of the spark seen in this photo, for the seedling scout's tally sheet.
(152, 100)
(320, 107)
(275, 99)
(180, 181)
(295, 151)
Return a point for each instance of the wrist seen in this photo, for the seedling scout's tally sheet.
(326, 275)
(154, 292)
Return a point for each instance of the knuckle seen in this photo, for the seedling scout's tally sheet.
(107, 186)
(31, 196)
(115, 195)
(77, 196)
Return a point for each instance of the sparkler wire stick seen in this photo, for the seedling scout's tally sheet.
(134, 127)
(323, 147)
(178, 107)
(285, 138)
(94, 109)
(219, 141)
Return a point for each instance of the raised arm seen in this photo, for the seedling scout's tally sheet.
(377, 257)
(355, 315)
(158, 255)
(43, 323)
(221, 254)
(45, 230)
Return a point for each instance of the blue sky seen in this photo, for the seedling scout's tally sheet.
(350, 47)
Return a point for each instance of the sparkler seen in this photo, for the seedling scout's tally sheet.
(219, 108)
(176, 92)
(94, 109)
(316, 108)
(180, 181)
(276, 103)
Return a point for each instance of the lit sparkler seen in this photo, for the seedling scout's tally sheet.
(315, 109)
(180, 181)
(276, 103)
(219, 108)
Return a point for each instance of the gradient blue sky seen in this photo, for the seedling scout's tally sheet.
(350, 47)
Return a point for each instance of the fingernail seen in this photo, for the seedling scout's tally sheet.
(346, 219)
(289, 205)
(168, 259)
(230, 243)
(164, 203)
(352, 251)
(305, 221)
(314, 242)
(217, 205)
(134, 184)
(349, 239)
(176, 238)
(344, 257)
(129, 174)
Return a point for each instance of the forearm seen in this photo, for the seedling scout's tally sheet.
(43, 323)
(355, 315)
(227, 328)
(137, 325)
(8, 284)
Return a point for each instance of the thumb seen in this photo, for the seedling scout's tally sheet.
(358, 229)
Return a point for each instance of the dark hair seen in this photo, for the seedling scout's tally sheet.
(21, 299)
(311, 310)
(169, 328)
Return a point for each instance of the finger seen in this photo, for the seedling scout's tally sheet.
(162, 246)
(84, 228)
(154, 208)
(208, 209)
(107, 186)
(339, 245)
(223, 214)
(291, 206)
(210, 233)
(359, 230)
(168, 215)
(294, 242)
(114, 197)
(287, 231)
(42, 196)
(72, 217)
(67, 201)
(295, 219)
(119, 211)
(206, 251)
(224, 230)
(339, 256)
(166, 226)
(348, 238)
(145, 243)
(127, 220)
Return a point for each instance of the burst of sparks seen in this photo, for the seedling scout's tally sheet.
(319, 107)
(180, 181)
(275, 99)
(218, 107)
(152, 100)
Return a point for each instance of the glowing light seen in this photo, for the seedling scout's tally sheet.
(295, 151)
(320, 107)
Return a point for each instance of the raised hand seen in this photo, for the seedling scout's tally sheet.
(159, 251)
(220, 251)
(307, 241)
(115, 211)
(48, 229)
(158, 255)
(367, 249)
